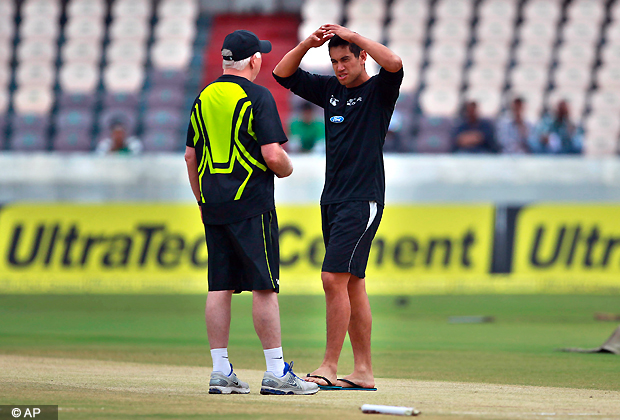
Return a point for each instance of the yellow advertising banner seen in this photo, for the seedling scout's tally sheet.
(570, 246)
(434, 249)
(160, 248)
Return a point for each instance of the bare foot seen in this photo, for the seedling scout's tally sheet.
(362, 382)
(322, 376)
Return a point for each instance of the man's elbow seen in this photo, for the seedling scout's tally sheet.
(394, 64)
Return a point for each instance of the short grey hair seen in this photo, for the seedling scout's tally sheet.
(238, 65)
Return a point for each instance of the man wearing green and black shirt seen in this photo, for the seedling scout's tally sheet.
(232, 153)
(357, 110)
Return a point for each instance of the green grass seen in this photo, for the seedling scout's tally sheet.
(412, 339)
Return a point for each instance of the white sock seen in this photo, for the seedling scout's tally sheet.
(275, 361)
(220, 361)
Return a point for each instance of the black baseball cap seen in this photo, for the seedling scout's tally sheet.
(242, 44)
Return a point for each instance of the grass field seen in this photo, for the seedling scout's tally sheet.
(91, 344)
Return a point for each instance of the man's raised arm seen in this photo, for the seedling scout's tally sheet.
(291, 61)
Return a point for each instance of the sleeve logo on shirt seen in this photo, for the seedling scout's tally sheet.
(337, 119)
(334, 101)
(353, 101)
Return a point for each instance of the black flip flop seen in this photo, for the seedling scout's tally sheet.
(328, 387)
(354, 386)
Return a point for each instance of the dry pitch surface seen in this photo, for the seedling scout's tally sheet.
(92, 389)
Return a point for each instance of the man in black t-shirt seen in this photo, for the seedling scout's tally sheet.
(233, 152)
(357, 111)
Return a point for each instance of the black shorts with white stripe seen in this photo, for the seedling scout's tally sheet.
(245, 255)
(348, 231)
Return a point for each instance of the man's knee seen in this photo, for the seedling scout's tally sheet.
(334, 281)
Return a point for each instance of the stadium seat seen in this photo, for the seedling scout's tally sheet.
(4, 102)
(502, 10)
(129, 51)
(322, 10)
(171, 54)
(573, 75)
(410, 52)
(33, 74)
(70, 100)
(580, 31)
(434, 135)
(402, 31)
(534, 53)
(614, 12)
(447, 52)
(164, 98)
(602, 100)
(589, 11)
(600, 143)
(175, 28)
(32, 100)
(547, 11)
(123, 77)
(72, 140)
(132, 9)
(537, 31)
(528, 76)
(5, 76)
(489, 100)
(168, 78)
(158, 140)
(577, 53)
(81, 51)
(608, 76)
(129, 28)
(453, 9)
(28, 141)
(604, 121)
(39, 27)
(414, 11)
(36, 50)
(439, 102)
(612, 33)
(494, 30)
(120, 100)
(30, 122)
(86, 8)
(492, 76)
(610, 54)
(443, 74)
(186, 9)
(369, 28)
(6, 43)
(451, 30)
(366, 10)
(79, 77)
(85, 27)
(411, 79)
(74, 119)
(7, 8)
(45, 8)
(490, 52)
(164, 118)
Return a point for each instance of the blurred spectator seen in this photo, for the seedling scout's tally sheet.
(119, 142)
(474, 134)
(556, 133)
(307, 133)
(513, 132)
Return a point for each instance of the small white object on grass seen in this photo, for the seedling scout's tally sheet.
(389, 409)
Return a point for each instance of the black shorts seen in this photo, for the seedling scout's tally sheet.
(245, 255)
(348, 231)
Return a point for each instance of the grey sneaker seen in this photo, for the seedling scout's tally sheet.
(289, 384)
(222, 384)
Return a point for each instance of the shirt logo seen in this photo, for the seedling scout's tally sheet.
(337, 119)
(334, 101)
(352, 102)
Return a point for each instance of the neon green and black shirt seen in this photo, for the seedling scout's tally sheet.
(231, 119)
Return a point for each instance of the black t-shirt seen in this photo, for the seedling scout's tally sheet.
(231, 119)
(356, 122)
